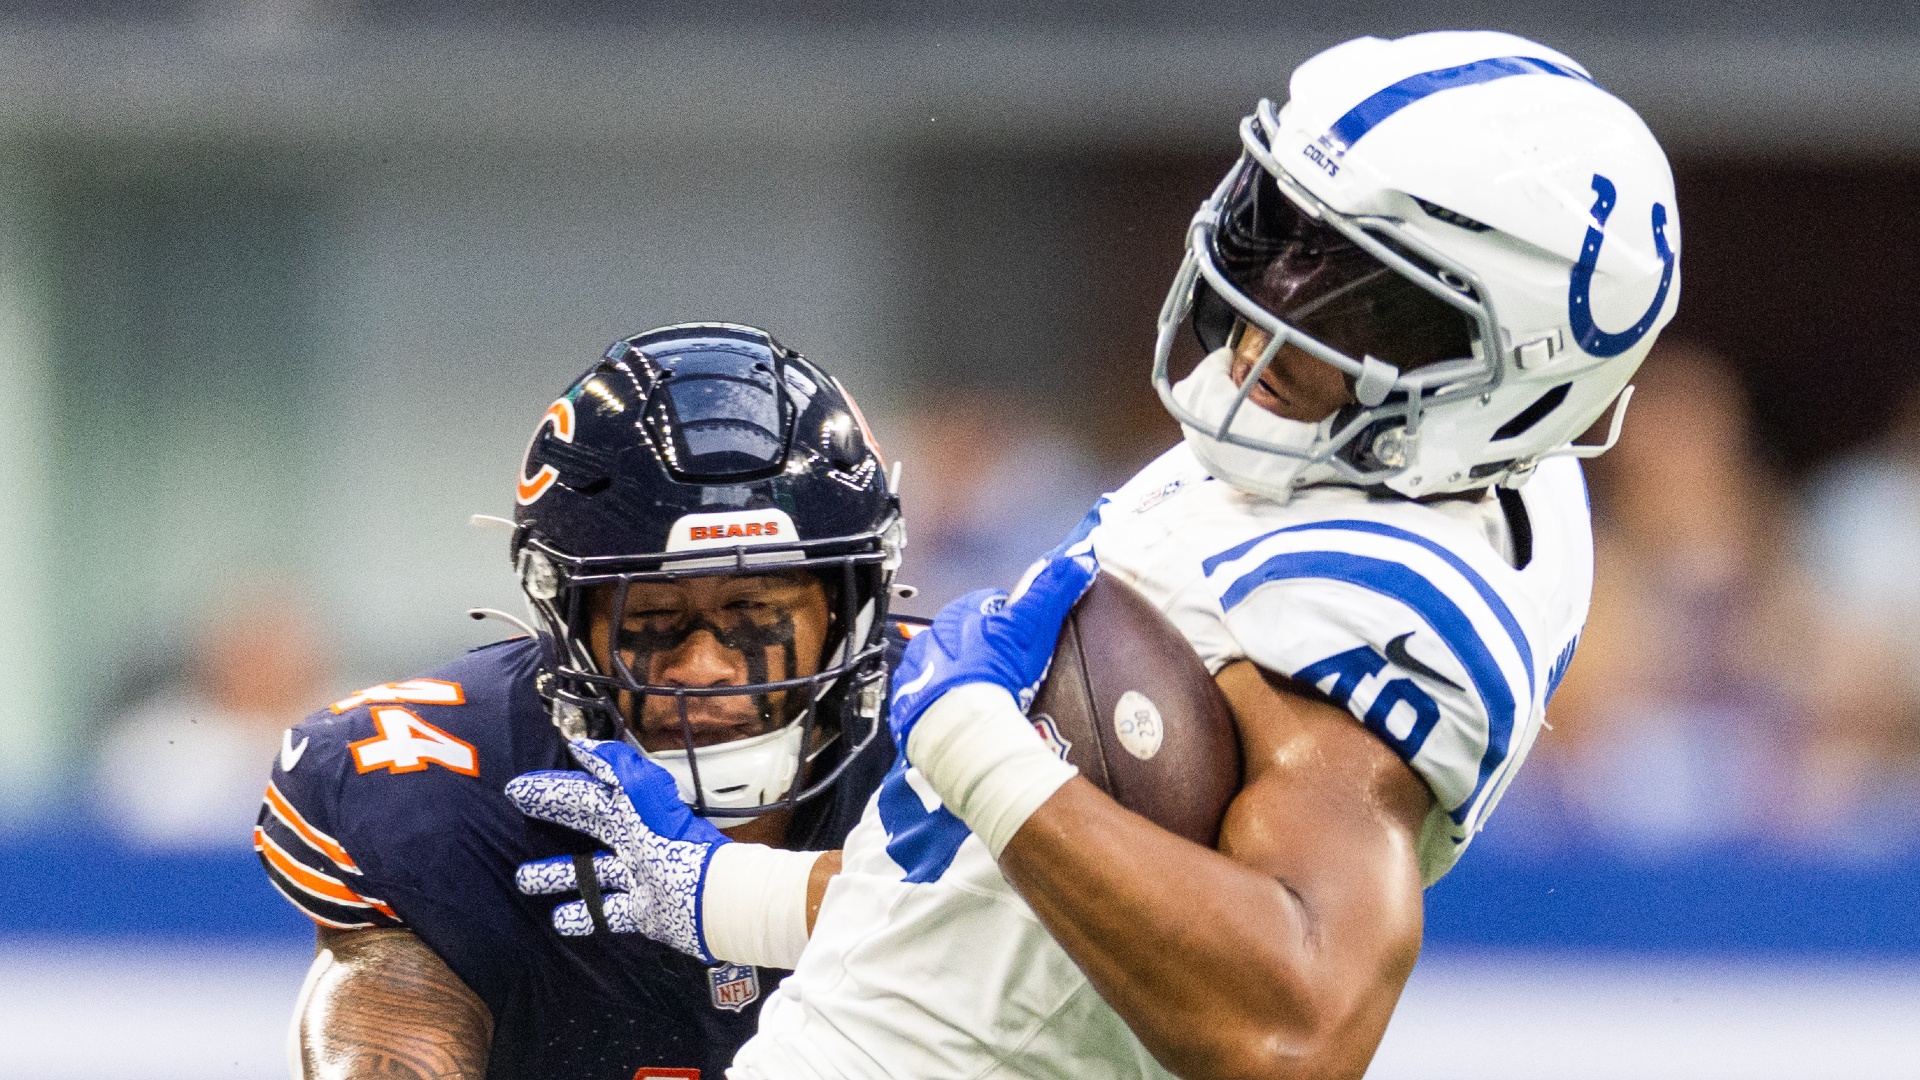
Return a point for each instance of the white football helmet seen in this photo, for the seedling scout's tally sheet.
(1476, 194)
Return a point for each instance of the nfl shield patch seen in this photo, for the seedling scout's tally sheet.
(1050, 734)
(735, 986)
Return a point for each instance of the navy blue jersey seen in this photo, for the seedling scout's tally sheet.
(388, 810)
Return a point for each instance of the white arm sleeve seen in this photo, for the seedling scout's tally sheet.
(754, 904)
(983, 758)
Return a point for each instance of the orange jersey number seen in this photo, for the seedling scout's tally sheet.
(407, 743)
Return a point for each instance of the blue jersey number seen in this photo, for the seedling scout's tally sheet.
(1349, 669)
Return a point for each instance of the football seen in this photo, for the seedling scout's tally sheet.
(1130, 704)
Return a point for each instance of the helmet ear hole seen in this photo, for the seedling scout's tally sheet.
(1363, 451)
(1533, 413)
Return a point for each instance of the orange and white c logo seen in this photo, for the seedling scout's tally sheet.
(559, 416)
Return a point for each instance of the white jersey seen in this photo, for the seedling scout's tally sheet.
(1442, 627)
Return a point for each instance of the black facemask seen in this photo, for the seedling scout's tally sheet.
(756, 642)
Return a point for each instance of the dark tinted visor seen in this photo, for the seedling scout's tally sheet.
(1316, 279)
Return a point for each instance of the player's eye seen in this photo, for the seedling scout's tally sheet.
(652, 621)
(753, 611)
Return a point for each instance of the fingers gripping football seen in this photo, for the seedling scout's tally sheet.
(964, 686)
(985, 637)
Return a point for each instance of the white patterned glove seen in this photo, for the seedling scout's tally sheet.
(611, 889)
(654, 887)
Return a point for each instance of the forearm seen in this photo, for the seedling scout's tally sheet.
(388, 1007)
(1161, 927)
(824, 868)
(1282, 953)
(1219, 969)
(758, 903)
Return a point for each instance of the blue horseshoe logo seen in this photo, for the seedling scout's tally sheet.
(1595, 341)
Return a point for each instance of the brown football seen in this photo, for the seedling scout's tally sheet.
(1138, 713)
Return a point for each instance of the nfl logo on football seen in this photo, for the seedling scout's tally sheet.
(735, 986)
(1050, 734)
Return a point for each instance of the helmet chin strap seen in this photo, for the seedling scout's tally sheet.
(1211, 393)
(746, 772)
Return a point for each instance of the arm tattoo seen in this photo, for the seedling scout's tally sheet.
(390, 1008)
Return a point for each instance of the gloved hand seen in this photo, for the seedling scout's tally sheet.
(654, 884)
(987, 637)
(560, 875)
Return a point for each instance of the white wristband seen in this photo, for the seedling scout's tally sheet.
(983, 758)
(754, 904)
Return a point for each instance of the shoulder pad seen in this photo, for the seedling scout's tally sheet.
(1414, 640)
(296, 833)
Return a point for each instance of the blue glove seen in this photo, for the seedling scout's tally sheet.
(653, 884)
(986, 637)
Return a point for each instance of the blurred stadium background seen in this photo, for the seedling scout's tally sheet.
(284, 283)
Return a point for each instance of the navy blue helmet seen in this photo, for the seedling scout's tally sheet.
(700, 450)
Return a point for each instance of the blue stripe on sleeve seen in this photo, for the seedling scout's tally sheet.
(1399, 582)
(1372, 112)
(1211, 563)
(1498, 606)
(1083, 529)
